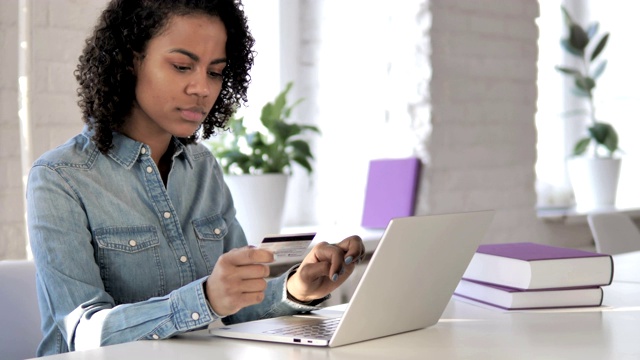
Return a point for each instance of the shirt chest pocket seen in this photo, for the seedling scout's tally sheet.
(210, 232)
(130, 264)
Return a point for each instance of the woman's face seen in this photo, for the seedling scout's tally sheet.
(179, 77)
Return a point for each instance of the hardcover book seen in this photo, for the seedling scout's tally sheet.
(390, 192)
(515, 299)
(536, 266)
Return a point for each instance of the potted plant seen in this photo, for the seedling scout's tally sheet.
(594, 177)
(257, 164)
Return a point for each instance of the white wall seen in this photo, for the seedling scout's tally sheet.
(482, 144)
(470, 118)
(56, 33)
(12, 226)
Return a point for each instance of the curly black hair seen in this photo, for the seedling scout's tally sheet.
(105, 69)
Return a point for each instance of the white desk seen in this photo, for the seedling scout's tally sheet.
(465, 331)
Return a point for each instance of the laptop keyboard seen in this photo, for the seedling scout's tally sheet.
(322, 329)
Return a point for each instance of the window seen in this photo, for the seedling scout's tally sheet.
(614, 97)
(264, 19)
(342, 65)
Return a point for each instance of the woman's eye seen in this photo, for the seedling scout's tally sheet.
(181, 68)
(214, 74)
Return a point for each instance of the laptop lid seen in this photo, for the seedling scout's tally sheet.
(408, 281)
(412, 275)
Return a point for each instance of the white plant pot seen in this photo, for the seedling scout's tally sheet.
(259, 201)
(594, 181)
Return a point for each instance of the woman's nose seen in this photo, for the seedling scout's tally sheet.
(199, 85)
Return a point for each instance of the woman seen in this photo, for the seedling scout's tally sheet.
(132, 228)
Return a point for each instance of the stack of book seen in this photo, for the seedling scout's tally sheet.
(517, 276)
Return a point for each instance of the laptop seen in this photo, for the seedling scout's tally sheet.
(406, 285)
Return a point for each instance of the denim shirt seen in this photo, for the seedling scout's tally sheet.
(119, 256)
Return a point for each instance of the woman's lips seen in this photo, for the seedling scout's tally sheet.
(192, 114)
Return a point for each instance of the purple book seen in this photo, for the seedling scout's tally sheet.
(528, 251)
(536, 266)
(391, 189)
(514, 299)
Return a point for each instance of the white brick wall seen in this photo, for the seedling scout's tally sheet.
(482, 144)
(467, 109)
(12, 228)
(58, 31)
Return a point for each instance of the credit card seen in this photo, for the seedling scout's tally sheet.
(287, 245)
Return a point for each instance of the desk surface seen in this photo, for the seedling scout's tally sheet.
(465, 331)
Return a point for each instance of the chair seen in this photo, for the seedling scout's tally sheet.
(19, 313)
(614, 233)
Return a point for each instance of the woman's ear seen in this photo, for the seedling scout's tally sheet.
(137, 62)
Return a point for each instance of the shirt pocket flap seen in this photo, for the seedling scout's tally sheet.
(210, 228)
(130, 239)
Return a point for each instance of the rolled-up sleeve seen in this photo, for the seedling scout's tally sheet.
(276, 302)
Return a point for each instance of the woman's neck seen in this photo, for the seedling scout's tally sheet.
(158, 140)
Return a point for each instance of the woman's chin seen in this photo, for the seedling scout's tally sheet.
(186, 131)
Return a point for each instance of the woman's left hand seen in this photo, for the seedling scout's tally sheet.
(325, 268)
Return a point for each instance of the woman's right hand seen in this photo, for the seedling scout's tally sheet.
(238, 280)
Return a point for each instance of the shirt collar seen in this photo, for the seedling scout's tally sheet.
(126, 151)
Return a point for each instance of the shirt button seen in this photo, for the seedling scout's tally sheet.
(155, 336)
(132, 243)
(166, 214)
(195, 316)
(149, 169)
(217, 231)
(143, 150)
(183, 259)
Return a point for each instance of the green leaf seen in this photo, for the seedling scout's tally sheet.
(599, 69)
(284, 131)
(301, 147)
(570, 49)
(235, 157)
(592, 30)
(237, 126)
(287, 111)
(255, 140)
(269, 115)
(611, 142)
(578, 38)
(568, 71)
(310, 128)
(599, 131)
(581, 146)
(585, 83)
(604, 134)
(600, 46)
(302, 161)
(276, 110)
(566, 17)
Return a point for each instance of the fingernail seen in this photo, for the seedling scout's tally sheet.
(342, 269)
(348, 260)
(251, 246)
(275, 256)
(334, 277)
